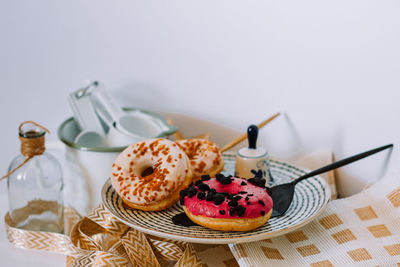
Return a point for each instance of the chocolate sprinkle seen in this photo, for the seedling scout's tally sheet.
(248, 202)
(237, 197)
(262, 213)
(240, 210)
(243, 183)
(203, 187)
(222, 212)
(205, 177)
(183, 193)
(197, 183)
(233, 203)
(218, 199)
(225, 180)
(257, 182)
(242, 192)
(250, 195)
(183, 220)
(246, 198)
(210, 196)
(231, 211)
(230, 196)
(219, 176)
(192, 192)
(201, 195)
(261, 202)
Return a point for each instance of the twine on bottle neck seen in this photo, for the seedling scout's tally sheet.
(30, 147)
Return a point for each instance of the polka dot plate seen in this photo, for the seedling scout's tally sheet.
(310, 199)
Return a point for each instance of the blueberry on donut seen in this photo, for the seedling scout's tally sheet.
(149, 175)
(205, 156)
(227, 203)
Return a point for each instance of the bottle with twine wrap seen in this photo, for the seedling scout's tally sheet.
(35, 184)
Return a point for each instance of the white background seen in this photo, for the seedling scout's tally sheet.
(332, 66)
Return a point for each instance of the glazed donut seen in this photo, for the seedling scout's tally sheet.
(149, 175)
(227, 203)
(204, 155)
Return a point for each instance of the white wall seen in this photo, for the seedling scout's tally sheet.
(332, 66)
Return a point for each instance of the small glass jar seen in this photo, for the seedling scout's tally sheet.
(35, 194)
(253, 161)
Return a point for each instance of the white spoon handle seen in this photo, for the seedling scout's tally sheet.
(105, 105)
(84, 112)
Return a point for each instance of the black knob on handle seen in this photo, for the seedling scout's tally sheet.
(252, 134)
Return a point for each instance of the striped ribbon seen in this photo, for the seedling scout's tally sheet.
(100, 240)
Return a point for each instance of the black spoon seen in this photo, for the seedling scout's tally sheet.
(282, 195)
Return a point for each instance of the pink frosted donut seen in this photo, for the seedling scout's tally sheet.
(227, 204)
(149, 175)
(204, 155)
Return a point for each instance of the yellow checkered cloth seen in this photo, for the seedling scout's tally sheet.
(362, 230)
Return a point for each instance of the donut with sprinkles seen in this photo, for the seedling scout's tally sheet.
(149, 175)
(204, 155)
(227, 203)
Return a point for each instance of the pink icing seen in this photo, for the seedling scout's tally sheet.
(209, 209)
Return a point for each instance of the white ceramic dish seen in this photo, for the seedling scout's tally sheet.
(310, 199)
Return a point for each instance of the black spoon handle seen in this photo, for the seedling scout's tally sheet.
(252, 134)
(342, 162)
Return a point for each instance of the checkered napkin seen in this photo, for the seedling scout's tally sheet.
(362, 230)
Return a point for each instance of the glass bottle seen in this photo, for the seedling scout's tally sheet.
(35, 194)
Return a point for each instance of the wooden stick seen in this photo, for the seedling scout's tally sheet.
(243, 136)
(202, 136)
(177, 135)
